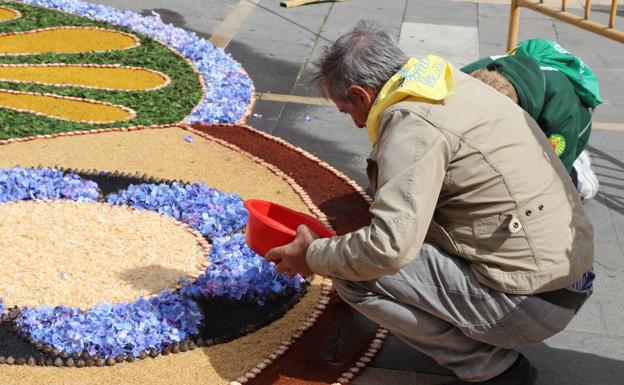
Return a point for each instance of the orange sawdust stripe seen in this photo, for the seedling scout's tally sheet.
(65, 40)
(66, 108)
(7, 14)
(106, 77)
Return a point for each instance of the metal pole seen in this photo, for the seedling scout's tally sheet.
(575, 20)
(514, 21)
(564, 5)
(587, 9)
(614, 5)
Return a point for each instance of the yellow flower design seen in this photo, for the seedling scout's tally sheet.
(9, 14)
(71, 40)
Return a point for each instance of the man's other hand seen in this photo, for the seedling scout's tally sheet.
(291, 258)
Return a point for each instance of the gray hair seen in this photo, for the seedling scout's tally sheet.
(365, 56)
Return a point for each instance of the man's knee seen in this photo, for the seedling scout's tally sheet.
(350, 292)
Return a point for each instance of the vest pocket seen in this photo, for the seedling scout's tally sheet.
(502, 241)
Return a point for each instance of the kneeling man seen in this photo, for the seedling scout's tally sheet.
(479, 242)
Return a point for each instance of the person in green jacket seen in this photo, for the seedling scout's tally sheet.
(550, 98)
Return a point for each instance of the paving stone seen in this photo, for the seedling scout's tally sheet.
(269, 21)
(502, 11)
(589, 318)
(328, 134)
(494, 30)
(266, 115)
(608, 282)
(200, 16)
(611, 311)
(608, 254)
(345, 15)
(457, 44)
(600, 215)
(491, 48)
(373, 376)
(604, 143)
(574, 358)
(304, 85)
(441, 12)
(273, 66)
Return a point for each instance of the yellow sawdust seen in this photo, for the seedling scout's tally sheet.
(65, 40)
(81, 254)
(160, 153)
(62, 108)
(7, 14)
(215, 365)
(115, 78)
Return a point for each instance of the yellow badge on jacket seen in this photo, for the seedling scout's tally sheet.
(429, 79)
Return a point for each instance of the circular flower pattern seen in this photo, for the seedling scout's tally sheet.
(130, 329)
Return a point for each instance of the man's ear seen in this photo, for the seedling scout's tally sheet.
(361, 95)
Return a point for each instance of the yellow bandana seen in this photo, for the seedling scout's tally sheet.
(429, 79)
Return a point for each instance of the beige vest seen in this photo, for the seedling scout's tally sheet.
(476, 176)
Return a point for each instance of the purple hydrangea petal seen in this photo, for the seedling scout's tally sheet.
(238, 273)
(43, 184)
(209, 211)
(111, 330)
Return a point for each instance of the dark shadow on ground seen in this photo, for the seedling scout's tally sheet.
(152, 277)
(555, 366)
(172, 17)
(611, 178)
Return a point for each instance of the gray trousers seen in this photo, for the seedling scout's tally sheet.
(436, 305)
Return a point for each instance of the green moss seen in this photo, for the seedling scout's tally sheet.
(170, 104)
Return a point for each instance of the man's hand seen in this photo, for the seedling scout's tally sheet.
(291, 258)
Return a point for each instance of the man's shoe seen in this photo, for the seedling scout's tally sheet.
(521, 372)
(587, 182)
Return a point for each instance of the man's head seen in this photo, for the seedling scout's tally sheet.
(355, 67)
(497, 81)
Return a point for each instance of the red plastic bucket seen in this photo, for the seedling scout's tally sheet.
(271, 225)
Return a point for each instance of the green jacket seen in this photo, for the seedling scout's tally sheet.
(549, 97)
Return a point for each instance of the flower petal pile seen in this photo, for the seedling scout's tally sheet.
(45, 183)
(111, 330)
(207, 210)
(237, 273)
(229, 89)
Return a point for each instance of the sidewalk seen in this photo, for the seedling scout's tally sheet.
(276, 45)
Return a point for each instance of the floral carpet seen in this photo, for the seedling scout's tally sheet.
(95, 138)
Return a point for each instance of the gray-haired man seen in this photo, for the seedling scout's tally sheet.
(478, 243)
